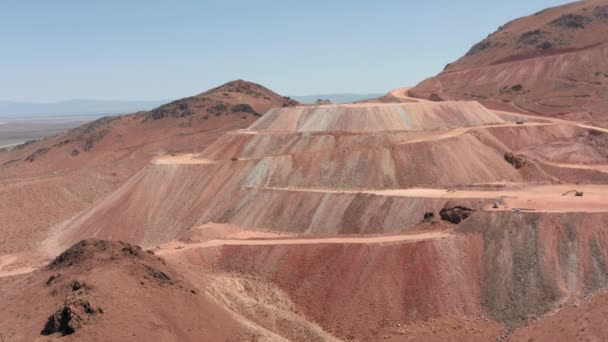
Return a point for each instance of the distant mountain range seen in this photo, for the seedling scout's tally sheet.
(109, 107)
(335, 98)
(75, 107)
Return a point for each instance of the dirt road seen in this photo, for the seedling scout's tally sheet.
(10, 265)
(177, 247)
(548, 198)
(402, 93)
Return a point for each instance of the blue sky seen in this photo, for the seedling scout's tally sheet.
(151, 50)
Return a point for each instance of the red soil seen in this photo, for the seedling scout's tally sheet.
(117, 281)
(533, 64)
(410, 221)
(356, 290)
(583, 320)
(45, 193)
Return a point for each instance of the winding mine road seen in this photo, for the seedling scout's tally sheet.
(546, 198)
(177, 247)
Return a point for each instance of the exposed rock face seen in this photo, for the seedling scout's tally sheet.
(517, 161)
(534, 64)
(244, 108)
(36, 154)
(79, 167)
(223, 101)
(69, 317)
(571, 21)
(100, 290)
(455, 214)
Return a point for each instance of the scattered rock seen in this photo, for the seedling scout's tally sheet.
(241, 87)
(217, 109)
(75, 153)
(52, 278)
(37, 153)
(435, 97)
(65, 142)
(429, 215)
(517, 161)
(244, 108)
(571, 21)
(601, 12)
(88, 251)
(455, 214)
(132, 250)
(530, 37)
(482, 45)
(69, 317)
(575, 192)
(545, 45)
(93, 138)
(289, 102)
(322, 102)
(24, 145)
(160, 276)
(176, 109)
(76, 285)
(517, 87)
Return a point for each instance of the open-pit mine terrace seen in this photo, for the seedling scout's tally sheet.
(370, 214)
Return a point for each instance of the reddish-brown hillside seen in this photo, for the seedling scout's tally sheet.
(111, 291)
(45, 183)
(356, 213)
(422, 220)
(550, 63)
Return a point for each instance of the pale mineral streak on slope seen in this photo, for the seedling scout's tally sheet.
(546, 198)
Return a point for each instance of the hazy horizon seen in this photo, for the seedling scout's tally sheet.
(145, 51)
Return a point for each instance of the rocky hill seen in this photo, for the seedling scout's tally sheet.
(100, 290)
(44, 183)
(550, 63)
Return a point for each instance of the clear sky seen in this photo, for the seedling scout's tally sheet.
(155, 50)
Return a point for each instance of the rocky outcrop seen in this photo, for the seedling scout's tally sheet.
(556, 58)
(518, 161)
(69, 317)
(455, 214)
(233, 97)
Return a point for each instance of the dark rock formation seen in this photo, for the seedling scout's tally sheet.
(517, 161)
(455, 214)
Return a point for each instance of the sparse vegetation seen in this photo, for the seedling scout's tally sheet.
(217, 109)
(25, 144)
(571, 21)
(92, 139)
(244, 108)
(39, 152)
(530, 37)
(481, 46)
(176, 109)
